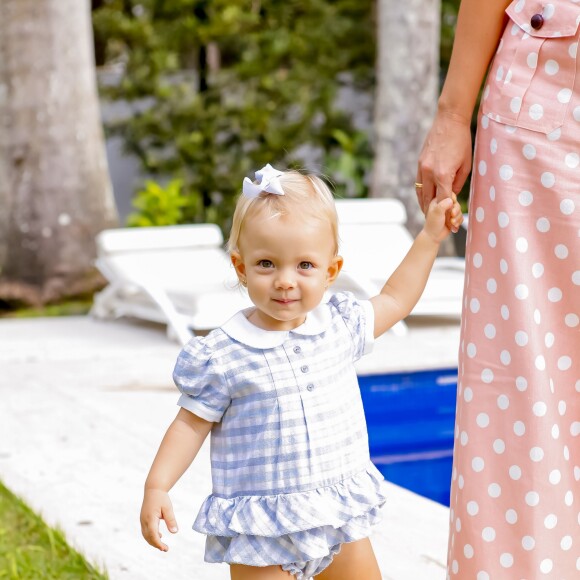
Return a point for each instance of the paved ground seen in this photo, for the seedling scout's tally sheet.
(83, 407)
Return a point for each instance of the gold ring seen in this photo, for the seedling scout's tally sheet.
(418, 185)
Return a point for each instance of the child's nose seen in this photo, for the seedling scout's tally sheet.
(285, 280)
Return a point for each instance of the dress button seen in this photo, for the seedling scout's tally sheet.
(297, 350)
(310, 387)
(537, 21)
(304, 369)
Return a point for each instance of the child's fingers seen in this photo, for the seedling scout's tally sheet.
(169, 517)
(151, 533)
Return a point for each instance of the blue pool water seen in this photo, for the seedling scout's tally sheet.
(410, 419)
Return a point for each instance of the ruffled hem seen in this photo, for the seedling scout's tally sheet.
(304, 554)
(277, 515)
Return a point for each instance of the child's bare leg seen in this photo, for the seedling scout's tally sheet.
(355, 560)
(241, 572)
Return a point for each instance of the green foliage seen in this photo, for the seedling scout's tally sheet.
(160, 206)
(30, 550)
(220, 88)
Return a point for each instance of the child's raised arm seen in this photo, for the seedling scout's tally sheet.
(405, 286)
(178, 449)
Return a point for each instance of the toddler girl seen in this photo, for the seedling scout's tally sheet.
(294, 491)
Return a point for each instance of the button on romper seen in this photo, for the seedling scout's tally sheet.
(515, 498)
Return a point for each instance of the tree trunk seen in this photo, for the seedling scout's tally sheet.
(54, 183)
(406, 97)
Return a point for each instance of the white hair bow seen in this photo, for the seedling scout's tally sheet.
(268, 180)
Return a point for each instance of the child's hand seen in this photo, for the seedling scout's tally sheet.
(156, 506)
(443, 217)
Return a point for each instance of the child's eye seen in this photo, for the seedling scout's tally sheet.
(305, 265)
(265, 264)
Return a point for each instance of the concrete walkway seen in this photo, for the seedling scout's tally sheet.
(84, 405)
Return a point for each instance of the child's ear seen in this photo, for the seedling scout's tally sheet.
(238, 265)
(334, 269)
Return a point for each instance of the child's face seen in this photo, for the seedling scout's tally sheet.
(288, 263)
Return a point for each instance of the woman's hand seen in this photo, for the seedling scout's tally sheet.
(156, 507)
(445, 160)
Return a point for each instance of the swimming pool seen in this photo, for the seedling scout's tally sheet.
(410, 419)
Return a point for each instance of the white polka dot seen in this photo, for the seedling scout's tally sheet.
(521, 384)
(548, 179)
(567, 206)
(458, 524)
(549, 339)
(477, 260)
(561, 252)
(506, 172)
(551, 67)
(537, 316)
(528, 543)
(522, 245)
(519, 428)
(575, 429)
(555, 134)
(537, 270)
(474, 305)
(487, 376)
(468, 395)
(489, 331)
(494, 490)
(471, 350)
(482, 168)
(503, 266)
(482, 576)
(572, 320)
(575, 276)
(573, 49)
(503, 402)
(551, 521)
(562, 408)
(505, 357)
(539, 409)
(468, 551)
(555, 477)
(546, 566)
(525, 198)
(536, 454)
(532, 59)
(505, 312)
(515, 472)
(521, 291)
(460, 482)
(503, 219)
(477, 464)
(529, 151)
(488, 534)
(499, 73)
(499, 446)
(564, 363)
(455, 567)
(491, 286)
(472, 508)
(572, 160)
(479, 214)
(566, 543)
(548, 11)
(492, 240)
(515, 104)
(532, 498)
(521, 338)
(511, 516)
(566, 453)
(482, 420)
(554, 294)
(555, 431)
(536, 111)
(540, 363)
(492, 193)
(485, 120)
(543, 225)
(564, 96)
(506, 560)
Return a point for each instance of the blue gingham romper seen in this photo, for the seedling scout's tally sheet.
(291, 471)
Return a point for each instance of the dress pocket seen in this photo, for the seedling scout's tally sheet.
(531, 80)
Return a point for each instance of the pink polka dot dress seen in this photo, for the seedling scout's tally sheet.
(515, 497)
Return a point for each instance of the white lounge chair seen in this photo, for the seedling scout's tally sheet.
(178, 275)
(374, 240)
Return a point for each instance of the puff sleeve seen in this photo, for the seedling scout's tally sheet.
(359, 318)
(204, 388)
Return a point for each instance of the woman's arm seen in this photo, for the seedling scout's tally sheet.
(178, 449)
(445, 160)
(406, 284)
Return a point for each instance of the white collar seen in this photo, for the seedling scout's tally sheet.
(242, 330)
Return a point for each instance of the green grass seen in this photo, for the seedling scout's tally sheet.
(69, 308)
(30, 550)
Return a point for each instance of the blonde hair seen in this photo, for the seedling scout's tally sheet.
(304, 193)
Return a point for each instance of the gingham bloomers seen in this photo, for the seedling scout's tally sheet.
(292, 476)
